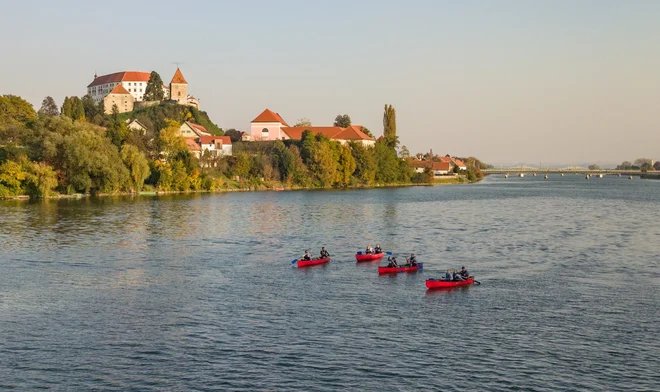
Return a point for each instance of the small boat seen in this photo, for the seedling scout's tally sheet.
(388, 270)
(359, 256)
(309, 263)
(440, 284)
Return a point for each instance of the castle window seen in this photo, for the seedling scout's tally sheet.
(179, 93)
(264, 133)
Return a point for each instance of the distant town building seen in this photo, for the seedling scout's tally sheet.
(120, 97)
(271, 126)
(190, 130)
(198, 140)
(135, 83)
(132, 81)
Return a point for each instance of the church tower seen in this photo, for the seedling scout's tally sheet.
(179, 88)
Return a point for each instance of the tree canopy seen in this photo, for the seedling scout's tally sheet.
(342, 120)
(48, 107)
(389, 126)
(154, 90)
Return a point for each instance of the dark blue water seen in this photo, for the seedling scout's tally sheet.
(198, 292)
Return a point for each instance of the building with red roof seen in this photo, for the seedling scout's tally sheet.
(135, 83)
(120, 98)
(271, 126)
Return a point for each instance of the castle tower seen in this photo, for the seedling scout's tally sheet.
(179, 88)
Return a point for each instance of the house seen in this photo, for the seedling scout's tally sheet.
(135, 125)
(119, 97)
(217, 145)
(190, 130)
(271, 126)
(245, 137)
(133, 82)
(457, 162)
(439, 168)
(194, 147)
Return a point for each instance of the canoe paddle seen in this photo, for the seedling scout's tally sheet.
(294, 261)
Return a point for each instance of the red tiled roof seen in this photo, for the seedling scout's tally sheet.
(354, 132)
(445, 159)
(269, 116)
(125, 76)
(119, 89)
(444, 166)
(178, 77)
(198, 128)
(192, 145)
(458, 162)
(212, 139)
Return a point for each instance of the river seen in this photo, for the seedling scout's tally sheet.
(197, 292)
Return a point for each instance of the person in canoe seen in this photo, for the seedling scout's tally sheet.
(448, 276)
(378, 249)
(392, 262)
(307, 256)
(412, 261)
(324, 253)
(464, 273)
(369, 250)
(458, 277)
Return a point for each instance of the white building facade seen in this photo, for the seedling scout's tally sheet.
(133, 81)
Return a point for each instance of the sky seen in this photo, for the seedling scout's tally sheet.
(539, 82)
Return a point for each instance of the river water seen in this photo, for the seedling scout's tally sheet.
(198, 292)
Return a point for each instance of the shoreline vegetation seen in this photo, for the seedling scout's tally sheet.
(82, 152)
(457, 180)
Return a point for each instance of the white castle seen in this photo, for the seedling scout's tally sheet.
(126, 88)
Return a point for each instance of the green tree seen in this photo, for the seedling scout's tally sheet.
(346, 167)
(11, 177)
(365, 163)
(389, 126)
(67, 108)
(41, 180)
(594, 167)
(116, 128)
(93, 111)
(137, 165)
(644, 164)
(170, 140)
(73, 108)
(48, 107)
(387, 163)
(342, 120)
(404, 153)
(14, 111)
(242, 166)
(234, 135)
(154, 89)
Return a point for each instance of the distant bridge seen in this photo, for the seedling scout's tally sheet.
(568, 170)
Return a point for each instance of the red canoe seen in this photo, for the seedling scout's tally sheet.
(369, 257)
(388, 270)
(440, 284)
(309, 263)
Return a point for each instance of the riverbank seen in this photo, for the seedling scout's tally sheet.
(235, 186)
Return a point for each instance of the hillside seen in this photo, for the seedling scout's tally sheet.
(155, 117)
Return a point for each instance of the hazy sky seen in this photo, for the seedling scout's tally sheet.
(506, 81)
